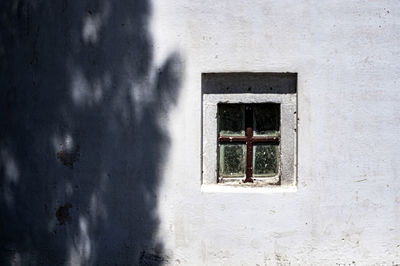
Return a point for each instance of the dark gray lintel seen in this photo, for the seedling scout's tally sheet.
(249, 82)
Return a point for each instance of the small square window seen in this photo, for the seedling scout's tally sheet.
(249, 129)
(248, 142)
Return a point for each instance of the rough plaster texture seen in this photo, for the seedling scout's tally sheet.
(83, 138)
(100, 132)
(346, 208)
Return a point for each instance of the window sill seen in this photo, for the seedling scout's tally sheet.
(257, 181)
(246, 188)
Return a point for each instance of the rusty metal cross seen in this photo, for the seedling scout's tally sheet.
(249, 139)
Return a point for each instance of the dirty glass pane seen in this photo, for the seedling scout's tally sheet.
(265, 159)
(266, 119)
(232, 160)
(231, 120)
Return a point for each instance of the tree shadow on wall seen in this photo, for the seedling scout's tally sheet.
(82, 133)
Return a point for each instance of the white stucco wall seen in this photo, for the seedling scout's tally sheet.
(346, 208)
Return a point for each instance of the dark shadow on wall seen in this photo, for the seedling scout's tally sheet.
(82, 133)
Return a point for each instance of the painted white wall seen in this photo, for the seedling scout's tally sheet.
(346, 209)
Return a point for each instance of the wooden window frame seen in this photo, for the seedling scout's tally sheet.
(249, 139)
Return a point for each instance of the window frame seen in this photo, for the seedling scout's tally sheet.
(249, 139)
(287, 100)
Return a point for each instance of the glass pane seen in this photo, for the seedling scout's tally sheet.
(266, 119)
(265, 159)
(232, 160)
(231, 120)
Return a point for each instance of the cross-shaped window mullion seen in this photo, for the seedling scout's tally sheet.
(249, 139)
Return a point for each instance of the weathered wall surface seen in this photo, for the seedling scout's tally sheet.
(346, 209)
(100, 134)
(82, 134)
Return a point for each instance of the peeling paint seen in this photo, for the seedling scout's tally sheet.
(147, 258)
(63, 214)
(68, 158)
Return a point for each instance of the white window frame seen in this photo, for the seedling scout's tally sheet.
(288, 128)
